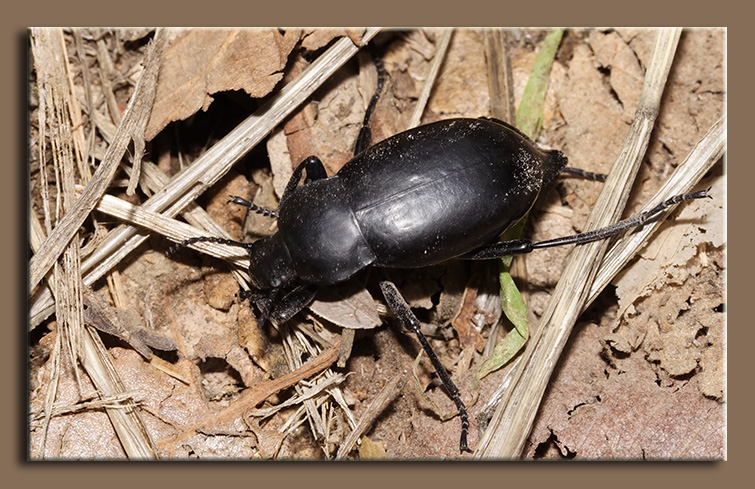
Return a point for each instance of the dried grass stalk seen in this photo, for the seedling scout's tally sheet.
(185, 187)
(83, 345)
(131, 128)
(385, 397)
(513, 419)
(700, 160)
(424, 96)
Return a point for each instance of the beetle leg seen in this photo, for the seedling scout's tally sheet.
(404, 314)
(577, 172)
(521, 246)
(263, 302)
(365, 133)
(315, 171)
(636, 220)
(293, 302)
(497, 250)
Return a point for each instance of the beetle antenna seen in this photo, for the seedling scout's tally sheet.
(254, 207)
(206, 239)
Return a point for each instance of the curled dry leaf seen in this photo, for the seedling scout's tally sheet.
(348, 305)
(201, 62)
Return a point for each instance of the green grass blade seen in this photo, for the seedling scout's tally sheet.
(529, 119)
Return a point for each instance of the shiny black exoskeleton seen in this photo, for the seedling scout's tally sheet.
(419, 198)
(433, 193)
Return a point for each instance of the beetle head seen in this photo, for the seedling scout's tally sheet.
(270, 263)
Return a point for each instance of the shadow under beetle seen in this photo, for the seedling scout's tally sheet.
(440, 191)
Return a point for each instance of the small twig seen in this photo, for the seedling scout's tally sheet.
(115, 402)
(172, 229)
(251, 397)
(500, 75)
(305, 394)
(386, 395)
(424, 96)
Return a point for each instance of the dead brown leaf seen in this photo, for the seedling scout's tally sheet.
(590, 406)
(348, 305)
(201, 62)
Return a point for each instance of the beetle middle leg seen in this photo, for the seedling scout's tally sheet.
(401, 310)
(315, 171)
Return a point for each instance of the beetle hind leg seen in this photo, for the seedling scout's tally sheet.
(521, 246)
(401, 310)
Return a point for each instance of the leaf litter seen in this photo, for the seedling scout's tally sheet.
(661, 345)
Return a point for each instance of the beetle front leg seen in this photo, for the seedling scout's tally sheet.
(401, 310)
(293, 302)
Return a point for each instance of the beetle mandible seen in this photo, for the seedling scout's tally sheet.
(441, 191)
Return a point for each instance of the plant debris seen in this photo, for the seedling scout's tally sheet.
(643, 374)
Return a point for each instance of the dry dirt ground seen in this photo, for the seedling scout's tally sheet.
(642, 376)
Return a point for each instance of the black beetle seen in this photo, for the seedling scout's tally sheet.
(419, 198)
(437, 192)
(433, 193)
